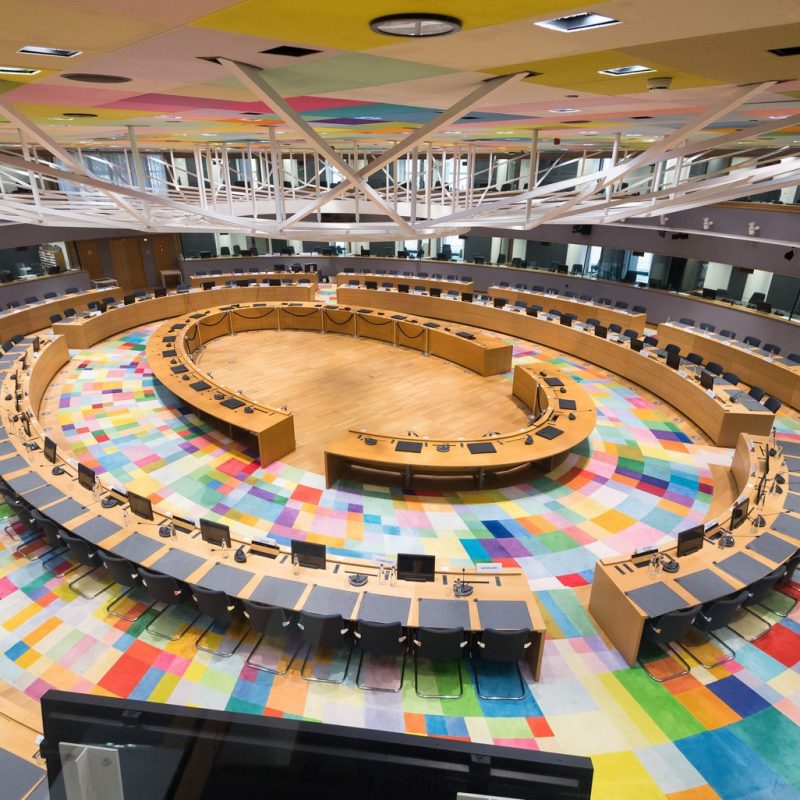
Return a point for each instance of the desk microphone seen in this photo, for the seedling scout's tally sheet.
(460, 586)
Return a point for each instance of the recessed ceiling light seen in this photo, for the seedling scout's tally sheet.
(577, 22)
(369, 118)
(633, 69)
(415, 25)
(288, 50)
(780, 116)
(58, 52)
(18, 71)
(564, 110)
(90, 77)
(78, 115)
(208, 134)
(169, 117)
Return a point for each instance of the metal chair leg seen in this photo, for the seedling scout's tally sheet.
(325, 680)
(438, 696)
(716, 663)
(261, 667)
(767, 625)
(668, 650)
(498, 696)
(74, 587)
(113, 603)
(161, 635)
(58, 554)
(380, 688)
(214, 651)
(22, 549)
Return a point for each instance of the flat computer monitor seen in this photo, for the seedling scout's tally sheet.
(435, 291)
(707, 379)
(566, 320)
(711, 294)
(50, 450)
(498, 302)
(216, 533)
(37, 344)
(403, 287)
(636, 345)
(601, 331)
(739, 512)
(765, 307)
(128, 300)
(466, 297)
(309, 554)
(86, 477)
(413, 567)
(141, 506)
(160, 291)
(24, 362)
(371, 284)
(26, 425)
(674, 360)
(690, 541)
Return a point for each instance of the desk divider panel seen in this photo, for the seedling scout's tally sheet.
(743, 568)
(444, 614)
(656, 599)
(65, 511)
(324, 600)
(137, 548)
(772, 547)
(384, 608)
(279, 592)
(224, 578)
(705, 585)
(178, 564)
(97, 529)
(504, 615)
(787, 525)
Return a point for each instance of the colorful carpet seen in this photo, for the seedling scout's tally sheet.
(730, 732)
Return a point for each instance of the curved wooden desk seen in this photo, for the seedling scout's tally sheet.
(721, 419)
(568, 305)
(304, 279)
(272, 579)
(776, 375)
(619, 616)
(35, 317)
(170, 350)
(343, 278)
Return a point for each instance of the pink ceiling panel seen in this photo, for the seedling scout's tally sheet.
(66, 95)
(171, 102)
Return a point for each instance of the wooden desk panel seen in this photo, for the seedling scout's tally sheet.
(721, 420)
(311, 278)
(343, 278)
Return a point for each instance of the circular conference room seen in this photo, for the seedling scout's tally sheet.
(402, 388)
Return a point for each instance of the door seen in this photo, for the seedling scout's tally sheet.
(127, 263)
(89, 259)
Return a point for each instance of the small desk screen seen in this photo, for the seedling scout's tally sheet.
(411, 567)
(215, 533)
(309, 554)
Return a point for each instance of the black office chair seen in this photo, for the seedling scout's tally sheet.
(17, 338)
(794, 357)
(773, 404)
(500, 647)
(620, 304)
(630, 333)
(707, 326)
(55, 318)
(34, 545)
(124, 573)
(22, 511)
(694, 358)
(324, 634)
(439, 645)
(501, 284)
(49, 295)
(521, 287)
(686, 321)
(756, 297)
(592, 321)
(753, 341)
(731, 377)
(537, 288)
(672, 348)
(756, 392)
(52, 535)
(81, 551)
(713, 617)
(31, 299)
(586, 298)
(774, 349)
(13, 304)
(727, 334)
(221, 608)
(182, 288)
(69, 313)
(71, 290)
(756, 593)
(651, 341)
(274, 625)
(639, 309)
(714, 368)
(166, 590)
(570, 294)
(664, 631)
(381, 641)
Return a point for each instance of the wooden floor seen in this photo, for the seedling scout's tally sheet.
(331, 383)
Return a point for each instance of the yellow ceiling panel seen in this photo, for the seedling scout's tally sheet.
(345, 26)
(582, 73)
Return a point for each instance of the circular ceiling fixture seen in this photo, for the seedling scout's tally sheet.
(415, 25)
(90, 77)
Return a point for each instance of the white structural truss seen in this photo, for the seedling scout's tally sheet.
(322, 191)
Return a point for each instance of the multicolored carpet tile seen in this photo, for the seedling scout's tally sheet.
(729, 732)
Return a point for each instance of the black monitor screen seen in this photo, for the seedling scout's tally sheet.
(498, 302)
(50, 449)
(740, 512)
(707, 379)
(466, 297)
(37, 344)
(160, 292)
(309, 554)
(690, 541)
(403, 287)
(601, 331)
(566, 320)
(435, 292)
(26, 425)
(215, 533)
(86, 477)
(637, 345)
(141, 506)
(371, 284)
(412, 567)
(674, 360)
